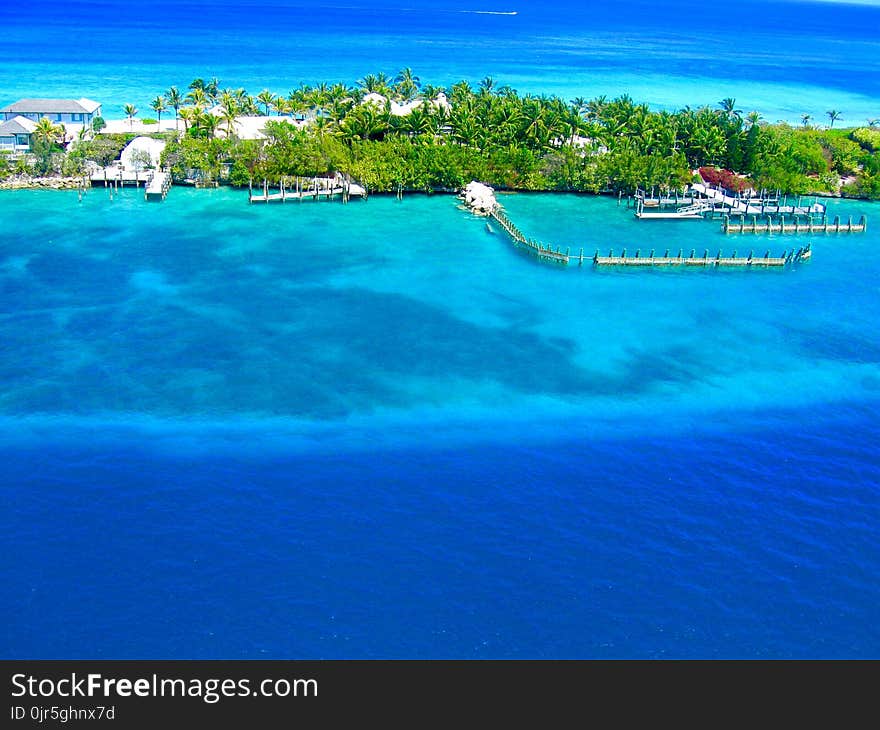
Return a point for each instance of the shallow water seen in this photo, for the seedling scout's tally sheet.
(318, 430)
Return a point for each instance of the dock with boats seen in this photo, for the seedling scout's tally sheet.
(480, 199)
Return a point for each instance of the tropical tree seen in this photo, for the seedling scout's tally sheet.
(212, 89)
(805, 120)
(130, 110)
(407, 84)
(376, 84)
(175, 101)
(46, 131)
(158, 105)
(227, 115)
(189, 115)
(833, 115)
(266, 98)
(208, 124)
(728, 107)
(197, 97)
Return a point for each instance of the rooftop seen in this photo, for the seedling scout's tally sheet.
(17, 125)
(52, 106)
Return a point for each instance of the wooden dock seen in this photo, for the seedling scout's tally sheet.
(703, 201)
(788, 257)
(318, 188)
(538, 250)
(545, 253)
(157, 186)
(115, 176)
(797, 227)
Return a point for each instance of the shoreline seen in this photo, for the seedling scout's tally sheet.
(76, 184)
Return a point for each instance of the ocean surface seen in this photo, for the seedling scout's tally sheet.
(782, 59)
(376, 430)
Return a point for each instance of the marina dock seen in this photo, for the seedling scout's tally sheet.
(747, 212)
(788, 257)
(796, 227)
(309, 189)
(545, 253)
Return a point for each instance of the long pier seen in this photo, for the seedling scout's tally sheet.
(531, 246)
(788, 257)
(797, 227)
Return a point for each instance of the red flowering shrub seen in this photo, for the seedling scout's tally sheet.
(725, 178)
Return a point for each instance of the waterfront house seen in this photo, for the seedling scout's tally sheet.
(15, 135)
(58, 111)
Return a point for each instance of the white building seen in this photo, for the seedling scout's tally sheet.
(58, 111)
(15, 135)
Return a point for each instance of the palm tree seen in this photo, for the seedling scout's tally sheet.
(45, 130)
(281, 105)
(197, 97)
(130, 111)
(833, 115)
(227, 114)
(805, 120)
(376, 84)
(208, 123)
(158, 106)
(175, 101)
(407, 84)
(753, 118)
(212, 89)
(189, 115)
(873, 122)
(228, 101)
(266, 98)
(728, 107)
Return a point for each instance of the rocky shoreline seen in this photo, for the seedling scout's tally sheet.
(25, 182)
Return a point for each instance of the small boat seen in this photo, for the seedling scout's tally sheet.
(489, 228)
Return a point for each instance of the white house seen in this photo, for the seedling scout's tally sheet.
(15, 135)
(58, 111)
(144, 146)
(406, 108)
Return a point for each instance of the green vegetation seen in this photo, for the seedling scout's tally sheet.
(491, 133)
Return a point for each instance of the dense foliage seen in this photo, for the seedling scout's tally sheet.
(490, 133)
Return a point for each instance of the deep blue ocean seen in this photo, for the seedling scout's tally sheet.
(782, 59)
(375, 430)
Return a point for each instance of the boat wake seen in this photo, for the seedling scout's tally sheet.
(490, 12)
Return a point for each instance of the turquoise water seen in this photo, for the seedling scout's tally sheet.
(205, 307)
(377, 430)
(782, 59)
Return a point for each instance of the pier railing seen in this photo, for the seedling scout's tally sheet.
(798, 226)
(789, 256)
(692, 259)
(545, 253)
